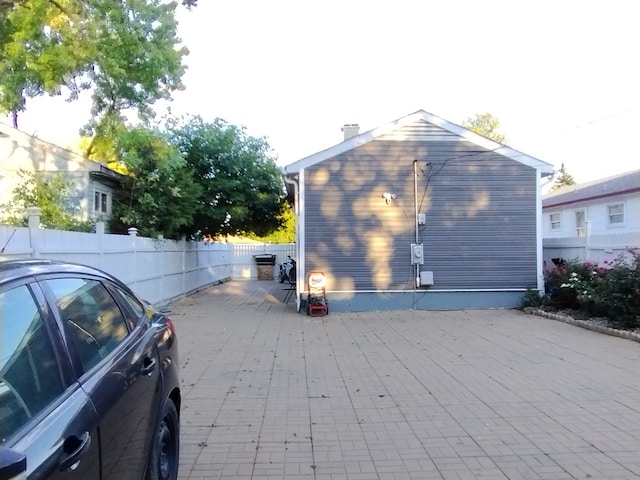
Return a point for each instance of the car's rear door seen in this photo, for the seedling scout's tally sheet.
(44, 414)
(118, 366)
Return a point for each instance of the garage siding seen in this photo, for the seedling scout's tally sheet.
(479, 206)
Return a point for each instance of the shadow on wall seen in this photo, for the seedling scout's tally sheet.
(354, 232)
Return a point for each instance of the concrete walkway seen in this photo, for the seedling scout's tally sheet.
(270, 393)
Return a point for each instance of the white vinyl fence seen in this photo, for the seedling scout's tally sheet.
(159, 270)
(596, 248)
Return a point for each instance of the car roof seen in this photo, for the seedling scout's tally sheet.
(19, 268)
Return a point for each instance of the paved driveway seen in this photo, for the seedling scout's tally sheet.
(270, 393)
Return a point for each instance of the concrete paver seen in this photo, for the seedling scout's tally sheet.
(270, 393)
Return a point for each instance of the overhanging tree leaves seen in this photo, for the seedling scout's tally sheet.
(243, 190)
(159, 195)
(125, 51)
(486, 125)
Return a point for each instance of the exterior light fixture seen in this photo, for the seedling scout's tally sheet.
(388, 197)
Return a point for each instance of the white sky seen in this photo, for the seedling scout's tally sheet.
(562, 77)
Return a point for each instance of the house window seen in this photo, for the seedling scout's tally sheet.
(616, 214)
(101, 202)
(555, 220)
(581, 223)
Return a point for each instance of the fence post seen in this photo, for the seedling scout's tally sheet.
(100, 237)
(33, 214)
(183, 245)
(161, 244)
(587, 242)
(133, 232)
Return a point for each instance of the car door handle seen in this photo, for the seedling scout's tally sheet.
(149, 365)
(74, 448)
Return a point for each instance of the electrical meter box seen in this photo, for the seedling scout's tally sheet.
(417, 254)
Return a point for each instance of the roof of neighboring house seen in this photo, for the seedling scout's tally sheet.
(419, 116)
(623, 183)
(98, 171)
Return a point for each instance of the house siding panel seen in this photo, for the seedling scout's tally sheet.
(480, 230)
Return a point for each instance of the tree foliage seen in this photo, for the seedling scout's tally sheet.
(243, 190)
(285, 233)
(564, 179)
(159, 194)
(49, 193)
(486, 125)
(125, 51)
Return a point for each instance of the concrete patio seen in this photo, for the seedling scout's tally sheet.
(270, 393)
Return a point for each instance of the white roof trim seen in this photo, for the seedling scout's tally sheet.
(371, 135)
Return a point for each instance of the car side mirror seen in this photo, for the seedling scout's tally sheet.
(13, 464)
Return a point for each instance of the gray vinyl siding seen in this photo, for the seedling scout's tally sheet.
(480, 208)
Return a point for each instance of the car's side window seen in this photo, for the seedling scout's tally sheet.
(91, 316)
(29, 375)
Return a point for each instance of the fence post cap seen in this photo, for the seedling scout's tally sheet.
(34, 210)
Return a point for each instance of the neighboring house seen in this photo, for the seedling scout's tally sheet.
(93, 183)
(593, 221)
(418, 201)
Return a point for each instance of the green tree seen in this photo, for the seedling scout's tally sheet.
(564, 179)
(286, 233)
(159, 195)
(125, 51)
(486, 125)
(51, 194)
(243, 190)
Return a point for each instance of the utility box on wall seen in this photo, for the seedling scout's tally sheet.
(426, 279)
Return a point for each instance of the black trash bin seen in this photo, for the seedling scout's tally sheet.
(265, 263)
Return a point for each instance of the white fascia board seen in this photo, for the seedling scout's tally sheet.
(544, 167)
(358, 140)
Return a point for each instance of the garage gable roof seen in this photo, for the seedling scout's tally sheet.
(419, 116)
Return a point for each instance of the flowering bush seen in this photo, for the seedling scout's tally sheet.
(611, 291)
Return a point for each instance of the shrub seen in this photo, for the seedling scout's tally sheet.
(612, 291)
(532, 298)
(620, 294)
(555, 280)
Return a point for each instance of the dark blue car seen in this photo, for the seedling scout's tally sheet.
(89, 384)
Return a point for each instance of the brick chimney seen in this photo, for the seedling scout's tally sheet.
(350, 130)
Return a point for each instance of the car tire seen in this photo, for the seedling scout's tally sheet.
(165, 451)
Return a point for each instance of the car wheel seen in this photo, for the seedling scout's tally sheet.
(165, 451)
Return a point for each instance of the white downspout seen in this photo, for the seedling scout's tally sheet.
(296, 216)
(539, 246)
